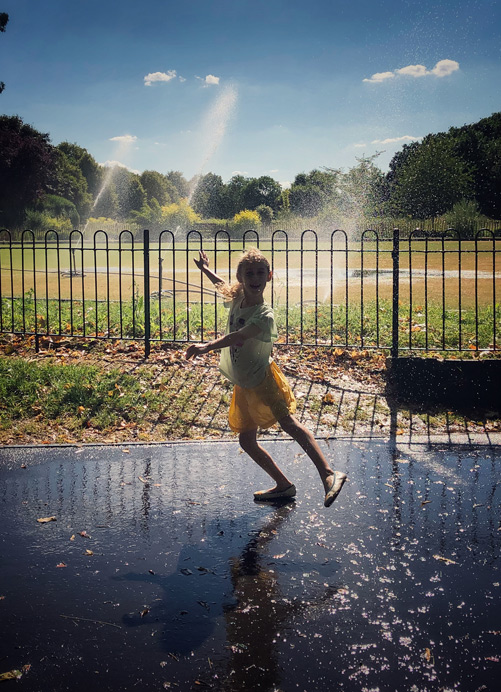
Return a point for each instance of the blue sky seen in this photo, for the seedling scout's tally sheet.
(269, 87)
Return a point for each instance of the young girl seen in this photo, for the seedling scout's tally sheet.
(261, 395)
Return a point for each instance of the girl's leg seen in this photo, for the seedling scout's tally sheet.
(248, 442)
(304, 438)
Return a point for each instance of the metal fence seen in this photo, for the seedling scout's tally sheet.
(410, 294)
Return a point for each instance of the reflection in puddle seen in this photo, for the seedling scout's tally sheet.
(191, 584)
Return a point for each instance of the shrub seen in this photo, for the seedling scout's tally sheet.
(179, 215)
(245, 220)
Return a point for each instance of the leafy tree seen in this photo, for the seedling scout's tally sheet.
(4, 18)
(265, 214)
(208, 197)
(59, 207)
(362, 189)
(90, 168)
(432, 179)
(27, 164)
(106, 203)
(180, 184)
(130, 192)
(234, 195)
(263, 190)
(69, 182)
(159, 187)
(312, 192)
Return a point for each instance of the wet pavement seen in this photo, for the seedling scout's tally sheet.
(160, 572)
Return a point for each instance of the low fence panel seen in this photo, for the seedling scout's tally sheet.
(412, 294)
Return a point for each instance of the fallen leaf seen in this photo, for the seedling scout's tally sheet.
(45, 520)
(84, 534)
(145, 612)
(61, 564)
(89, 552)
(445, 559)
(425, 502)
(14, 674)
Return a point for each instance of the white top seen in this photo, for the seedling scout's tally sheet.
(245, 363)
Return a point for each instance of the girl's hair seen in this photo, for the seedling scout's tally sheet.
(236, 290)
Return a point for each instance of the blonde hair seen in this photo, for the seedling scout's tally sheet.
(235, 290)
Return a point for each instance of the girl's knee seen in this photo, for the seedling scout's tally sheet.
(247, 439)
(290, 425)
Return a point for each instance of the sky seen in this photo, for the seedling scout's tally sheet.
(262, 87)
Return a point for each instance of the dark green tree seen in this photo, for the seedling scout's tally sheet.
(91, 170)
(180, 184)
(264, 190)
(69, 182)
(433, 178)
(208, 198)
(157, 186)
(27, 165)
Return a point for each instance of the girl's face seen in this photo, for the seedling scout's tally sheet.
(254, 276)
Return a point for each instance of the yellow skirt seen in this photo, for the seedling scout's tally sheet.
(264, 405)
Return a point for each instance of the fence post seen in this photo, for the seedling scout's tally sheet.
(146, 276)
(395, 254)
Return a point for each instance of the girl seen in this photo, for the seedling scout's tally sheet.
(261, 395)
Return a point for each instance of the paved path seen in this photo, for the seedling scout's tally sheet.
(160, 572)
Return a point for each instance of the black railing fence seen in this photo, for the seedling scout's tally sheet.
(409, 294)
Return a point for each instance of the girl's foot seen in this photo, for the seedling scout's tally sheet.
(275, 493)
(333, 487)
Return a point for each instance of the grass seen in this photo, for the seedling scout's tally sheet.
(369, 326)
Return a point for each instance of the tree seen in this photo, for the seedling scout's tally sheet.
(208, 197)
(180, 184)
(91, 170)
(4, 18)
(27, 164)
(234, 196)
(157, 186)
(130, 193)
(69, 182)
(362, 189)
(106, 203)
(433, 178)
(263, 190)
(312, 192)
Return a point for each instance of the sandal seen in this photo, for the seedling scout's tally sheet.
(265, 495)
(335, 489)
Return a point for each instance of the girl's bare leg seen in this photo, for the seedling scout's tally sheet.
(304, 438)
(248, 442)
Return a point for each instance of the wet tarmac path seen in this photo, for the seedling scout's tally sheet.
(160, 572)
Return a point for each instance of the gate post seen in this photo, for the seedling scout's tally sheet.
(146, 277)
(396, 280)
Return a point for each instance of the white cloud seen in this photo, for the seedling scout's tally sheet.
(380, 77)
(159, 77)
(443, 68)
(285, 184)
(124, 139)
(413, 71)
(208, 80)
(359, 145)
(394, 140)
(182, 79)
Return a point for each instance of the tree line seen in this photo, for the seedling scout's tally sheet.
(42, 186)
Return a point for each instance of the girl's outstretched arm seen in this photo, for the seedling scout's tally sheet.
(203, 264)
(250, 331)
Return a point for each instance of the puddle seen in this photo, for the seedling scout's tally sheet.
(181, 581)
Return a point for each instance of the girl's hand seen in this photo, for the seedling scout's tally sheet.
(195, 350)
(203, 261)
